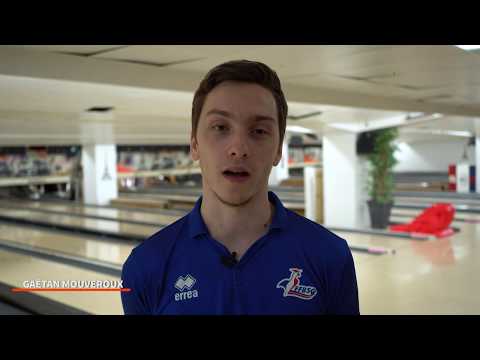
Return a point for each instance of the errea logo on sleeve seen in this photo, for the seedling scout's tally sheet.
(185, 283)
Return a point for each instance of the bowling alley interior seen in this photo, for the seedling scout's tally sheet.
(382, 147)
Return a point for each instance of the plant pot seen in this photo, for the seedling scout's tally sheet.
(379, 214)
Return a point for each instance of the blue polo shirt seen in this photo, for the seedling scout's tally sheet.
(297, 268)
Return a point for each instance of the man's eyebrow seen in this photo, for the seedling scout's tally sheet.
(229, 115)
(263, 118)
(219, 112)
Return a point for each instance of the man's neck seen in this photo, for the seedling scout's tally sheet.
(237, 227)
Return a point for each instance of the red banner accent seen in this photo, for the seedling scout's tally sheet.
(452, 177)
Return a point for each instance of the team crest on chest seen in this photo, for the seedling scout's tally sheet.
(292, 287)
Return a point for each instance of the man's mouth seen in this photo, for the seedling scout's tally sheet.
(236, 174)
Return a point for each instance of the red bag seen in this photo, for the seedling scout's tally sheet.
(434, 220)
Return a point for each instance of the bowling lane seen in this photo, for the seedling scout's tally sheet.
(286, 195)
(360, 258)
(182, 197)
(115, 252)
(143, 230)
(464, 205)
(7, 309)
(290, 204)
(108, 227)
(423, 277)
(369, 240)
(433, 199)
(15, 269)
(436, 276)
(165, 218)
(118, 251)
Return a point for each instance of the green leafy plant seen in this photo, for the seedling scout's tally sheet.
(381, 162)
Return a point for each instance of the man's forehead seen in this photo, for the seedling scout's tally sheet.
(238, 90)
(230, 98)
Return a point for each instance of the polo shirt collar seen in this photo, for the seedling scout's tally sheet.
(197, 225)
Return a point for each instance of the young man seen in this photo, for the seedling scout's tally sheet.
(240, 251)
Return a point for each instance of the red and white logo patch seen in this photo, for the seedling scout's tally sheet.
(292, 286)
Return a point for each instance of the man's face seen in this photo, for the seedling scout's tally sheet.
(237, 141)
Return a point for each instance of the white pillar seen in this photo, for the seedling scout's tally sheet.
(99, 164)
(477, 164)
(311, 195)
(280, 172)
(344, 179)
(463, 177)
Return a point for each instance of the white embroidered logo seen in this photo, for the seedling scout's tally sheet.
(185, 283)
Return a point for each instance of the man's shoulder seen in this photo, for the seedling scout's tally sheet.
(157, 246)
(316, 236)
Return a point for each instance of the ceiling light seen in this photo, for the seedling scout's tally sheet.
(299, 129)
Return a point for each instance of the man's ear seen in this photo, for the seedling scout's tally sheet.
(194, 148)
(278, 156)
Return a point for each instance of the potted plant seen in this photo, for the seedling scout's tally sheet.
(380, 181)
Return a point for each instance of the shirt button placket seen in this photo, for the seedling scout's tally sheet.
(236, 290)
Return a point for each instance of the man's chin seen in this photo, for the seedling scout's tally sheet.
(235, 200)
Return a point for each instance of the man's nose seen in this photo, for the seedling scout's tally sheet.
(239, 147)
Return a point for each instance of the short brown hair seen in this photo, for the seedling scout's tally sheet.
(242, 71)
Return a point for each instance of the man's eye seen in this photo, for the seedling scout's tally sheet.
(219, 127)
(260, 132)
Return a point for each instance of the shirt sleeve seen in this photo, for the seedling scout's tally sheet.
(346, 302)
(133, 301)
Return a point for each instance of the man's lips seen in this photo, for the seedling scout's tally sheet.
(236, 171)
(236, 174)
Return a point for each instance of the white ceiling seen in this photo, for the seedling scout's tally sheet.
(44, 90)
